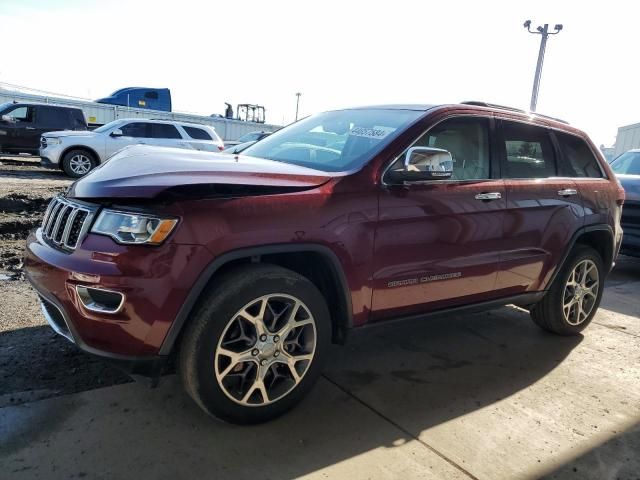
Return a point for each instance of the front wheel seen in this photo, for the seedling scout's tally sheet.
(574, 297)
(255, 345)
(78, 163)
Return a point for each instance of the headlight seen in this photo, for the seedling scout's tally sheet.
(53, 140)
(133, 228)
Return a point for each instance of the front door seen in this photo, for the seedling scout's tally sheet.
(438, 242)
(23, 134)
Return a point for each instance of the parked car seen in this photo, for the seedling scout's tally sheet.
(241, 147)
(77, 153)
(627, 168)
(247, 137)
(22, 124)
(246, 270)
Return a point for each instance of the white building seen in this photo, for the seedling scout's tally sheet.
(628, 137)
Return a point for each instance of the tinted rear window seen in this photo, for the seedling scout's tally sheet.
(197, 133)
(529, 151)
(164, 130)
(579, 161)
(53, 117)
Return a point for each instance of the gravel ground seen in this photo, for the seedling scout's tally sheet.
(35, 363)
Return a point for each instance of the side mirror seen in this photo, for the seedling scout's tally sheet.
(116, 133)
(6, 119)
(423, 163)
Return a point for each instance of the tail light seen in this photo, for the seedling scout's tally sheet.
(620, 195)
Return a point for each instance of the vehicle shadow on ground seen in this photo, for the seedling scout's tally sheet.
(420, 374)
(37, 363)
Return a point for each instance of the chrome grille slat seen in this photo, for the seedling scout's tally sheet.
(51, 221)
(66, 223)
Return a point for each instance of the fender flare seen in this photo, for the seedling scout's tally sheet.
(574, 239)
(203, 280)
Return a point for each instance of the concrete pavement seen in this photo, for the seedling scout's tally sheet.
(485, 396)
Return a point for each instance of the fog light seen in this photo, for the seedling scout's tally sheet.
(99, 299)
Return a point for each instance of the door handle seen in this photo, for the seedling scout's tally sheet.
(567, 192)
(489, 196)
(29, 128)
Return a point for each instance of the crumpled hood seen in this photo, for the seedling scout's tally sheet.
(146, 172)
(631, 185)
(70, 133)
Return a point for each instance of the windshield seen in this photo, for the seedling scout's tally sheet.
(627, 164)
(107, 126)
(335, 141)
(4, 106)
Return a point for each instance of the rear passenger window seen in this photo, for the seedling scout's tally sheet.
(136, 130)
(197, 133)
(579, 161)
(164, 130)
(528, 150)
(53, 117)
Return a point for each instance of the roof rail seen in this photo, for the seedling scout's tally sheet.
(511, 109)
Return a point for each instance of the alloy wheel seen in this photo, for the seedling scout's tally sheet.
(265, 350)
(581, 292)
(80, 164)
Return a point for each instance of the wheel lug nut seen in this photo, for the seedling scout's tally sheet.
(276, 353)
(263, 338)
(276, 338)
(263, 362)
(255, 352)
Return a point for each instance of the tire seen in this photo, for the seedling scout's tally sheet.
(581, 303)
(77, 163)
(228, 388)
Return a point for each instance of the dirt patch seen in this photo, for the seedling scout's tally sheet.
(35, 362)
(26, 189)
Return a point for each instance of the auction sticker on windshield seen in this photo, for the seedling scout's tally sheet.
(376, 132)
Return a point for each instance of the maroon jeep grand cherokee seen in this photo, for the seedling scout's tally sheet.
(247, 267)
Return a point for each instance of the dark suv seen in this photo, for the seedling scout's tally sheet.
(22, 124)
(247, 267)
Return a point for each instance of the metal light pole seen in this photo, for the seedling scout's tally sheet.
(297, 104)
(544, 33)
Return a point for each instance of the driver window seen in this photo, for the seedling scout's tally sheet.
(22, 114)
(467, 139)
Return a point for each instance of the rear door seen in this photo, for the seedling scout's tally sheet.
(52, 119)
(438, 242)
(580, 163)
(165, 135)
(543, 208)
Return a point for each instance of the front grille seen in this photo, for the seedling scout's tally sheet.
(66, 223)
(43, 142)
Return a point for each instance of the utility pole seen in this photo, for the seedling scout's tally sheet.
(544, 33)
(297, 104)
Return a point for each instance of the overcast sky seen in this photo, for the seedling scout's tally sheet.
(336, 53)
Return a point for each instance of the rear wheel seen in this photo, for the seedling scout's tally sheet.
(574, 297)
(255, 345)
(78, 163)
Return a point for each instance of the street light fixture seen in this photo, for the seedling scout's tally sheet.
(544, 33)
(297, 104)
